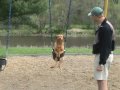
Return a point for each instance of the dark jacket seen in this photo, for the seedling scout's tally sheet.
(105, 41)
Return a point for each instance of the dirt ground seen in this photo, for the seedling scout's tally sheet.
(34, 73)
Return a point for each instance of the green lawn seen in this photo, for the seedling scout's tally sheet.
(46, 51)
(41, 51)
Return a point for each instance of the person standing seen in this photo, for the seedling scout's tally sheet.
(103, 47)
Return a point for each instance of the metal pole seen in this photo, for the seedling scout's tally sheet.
(105, 8)
(9, 26)
(50, 24)
(68, 19)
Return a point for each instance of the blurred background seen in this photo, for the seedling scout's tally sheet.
(29, 25)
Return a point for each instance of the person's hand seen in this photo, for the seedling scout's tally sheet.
(99, 68)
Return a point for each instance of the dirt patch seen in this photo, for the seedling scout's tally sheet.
(34, 73)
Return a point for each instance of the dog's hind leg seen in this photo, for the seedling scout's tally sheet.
(55, 64)
(60, 62)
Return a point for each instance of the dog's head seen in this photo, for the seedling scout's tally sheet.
(60, 38)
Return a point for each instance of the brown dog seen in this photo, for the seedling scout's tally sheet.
(58, 50)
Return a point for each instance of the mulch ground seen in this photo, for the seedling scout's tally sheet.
(34, 73)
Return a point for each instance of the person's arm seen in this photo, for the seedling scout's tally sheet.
(105, 37)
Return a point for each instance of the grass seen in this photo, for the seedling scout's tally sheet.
(31, 50)
(2, 52)
(45, 51)
(41, 51)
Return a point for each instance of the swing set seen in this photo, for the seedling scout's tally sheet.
(66, 27)
(3, 61)
(68, 22)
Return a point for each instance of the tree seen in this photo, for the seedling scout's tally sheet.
(28, 7)
(3, 9)
(22, 7)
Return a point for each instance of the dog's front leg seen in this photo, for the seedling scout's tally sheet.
(55, 64)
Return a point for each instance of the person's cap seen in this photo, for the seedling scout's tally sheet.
(96, 11)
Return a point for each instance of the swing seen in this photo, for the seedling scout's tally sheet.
(3, 61)
(66, 27)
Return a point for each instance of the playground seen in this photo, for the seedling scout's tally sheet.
(27, 32)
(34, 73)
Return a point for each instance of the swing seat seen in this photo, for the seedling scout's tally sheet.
(3, 63)
(55, 56)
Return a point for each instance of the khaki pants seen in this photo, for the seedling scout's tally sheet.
(102, 75)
